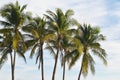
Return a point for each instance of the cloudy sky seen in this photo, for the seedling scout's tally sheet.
(103, 13)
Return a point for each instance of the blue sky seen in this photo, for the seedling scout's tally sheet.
(102, 13)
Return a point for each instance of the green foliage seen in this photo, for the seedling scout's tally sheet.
(89, 38)
(56, 30)
(13, 19)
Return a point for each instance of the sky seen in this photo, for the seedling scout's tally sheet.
(102, 13)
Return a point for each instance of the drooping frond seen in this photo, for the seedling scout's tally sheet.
(75, 57)
(31, 30)
(6, 30)
(101, 54)
(51, 49)
(69, 13)
(3, 56)
(33, 50)
(6, 24)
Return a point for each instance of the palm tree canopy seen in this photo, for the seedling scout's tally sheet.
(13, 15)
(38, 34)
(60, 22)
(90, 38)
(13, 18)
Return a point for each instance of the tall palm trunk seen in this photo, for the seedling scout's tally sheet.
(56, 60)
(13, 60)
(85, 52)
(64, 70)
(11, 66)
(55, 65)
(80, 73)
(14, 65)
(42, 63)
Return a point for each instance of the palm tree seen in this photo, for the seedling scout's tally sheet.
(60, 24)
(90, 38)
(67, 46)
(14, 19)
(38, 34)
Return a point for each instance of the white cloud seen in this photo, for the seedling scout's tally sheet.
(91, 12)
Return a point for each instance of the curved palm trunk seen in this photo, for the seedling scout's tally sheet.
(80, 73)
(85, 52)
(42, 63)
(64, 70)
(55, 65)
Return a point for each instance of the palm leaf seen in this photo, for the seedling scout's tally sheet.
(6, 24)
(101, 56)
(21, 54)
(74, 59)
(33, 50)
(29, 29)
(69, 13)
(91, 63)
(23, 7)
(4, 58)
(51, 49)
(49, 37)
(6, 30)
(85, 64)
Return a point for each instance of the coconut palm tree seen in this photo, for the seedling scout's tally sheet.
(59, 23)
(67, 47)
(90, 38)
(14, 18)
(38, 34)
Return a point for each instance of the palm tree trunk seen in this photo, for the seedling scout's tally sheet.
(13, 66)
(12, 72)
(12, 77)
(55, 65)
(80, 73)
(64, 70)
(85, 51)
(42, 64)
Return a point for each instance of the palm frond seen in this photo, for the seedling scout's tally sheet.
(20, 52)
(85, 65)
(33, 50)
(69, 13)
(74, 59)
(52, 14)
(91, 63)
(49, 18)
(23, 7)
(5, 24)
(101, 55)
(29, 29)
(6, 30)
(3, 57)
(51, 49)
(95, 45)
(30, 43)
(49, 37)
